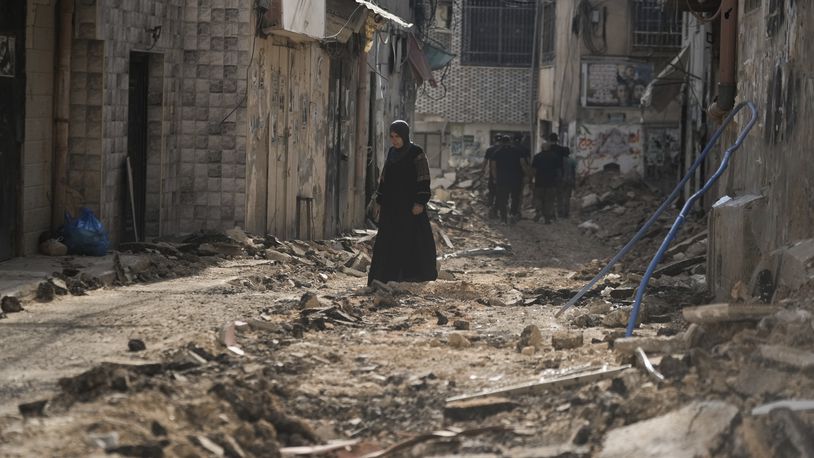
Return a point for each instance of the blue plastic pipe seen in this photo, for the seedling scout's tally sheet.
(682, 215)
(666, 204)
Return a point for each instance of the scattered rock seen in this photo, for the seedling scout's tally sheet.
(45, 291)
(474, 409)
(274, 255)
(442, 319)
(220, 249)
(530, 337)
(673, 368)
(564, 340)
(590, 200)
(589, 226)
(310, 300)
(458, 341)
(158, 429)
(205, 443)
(461, 325)
(53, 247)
(788, 356)
(692, 431)
(353, 272)
(384, 300)
(617, 318)
(360, 262)
(135, 345)
(33, 409)
(238, 235)
(528, 351)
(11, 304)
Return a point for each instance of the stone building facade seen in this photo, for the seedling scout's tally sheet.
(157, 96)
(475, 98)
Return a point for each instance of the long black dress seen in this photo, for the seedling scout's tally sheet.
(405, 247)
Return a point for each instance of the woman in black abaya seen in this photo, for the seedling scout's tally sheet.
(405, 247)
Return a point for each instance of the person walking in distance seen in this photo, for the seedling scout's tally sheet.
(508, 172)
(491, 192)
(405, 247)
(568, 183)
(525, 164)
(547, 165)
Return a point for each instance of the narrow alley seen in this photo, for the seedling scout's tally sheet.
(391, 228)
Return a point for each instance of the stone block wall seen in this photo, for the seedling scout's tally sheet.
(39, 96)
(477, 94)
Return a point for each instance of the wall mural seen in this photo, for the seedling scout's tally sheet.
(620, 84)
(598, 145)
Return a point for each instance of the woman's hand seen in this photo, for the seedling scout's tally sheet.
(417, 209)
(376, 210)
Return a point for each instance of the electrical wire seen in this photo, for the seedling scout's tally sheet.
(248, 70)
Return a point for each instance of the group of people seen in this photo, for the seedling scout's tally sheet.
(405, 247)
(552, 171)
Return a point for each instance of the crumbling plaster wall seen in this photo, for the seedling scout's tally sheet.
(776, 72)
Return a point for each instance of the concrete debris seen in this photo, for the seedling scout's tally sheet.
(360, 262)
(564, 340)
(721, 313)
(211, 447)
(458, 341)
(477, 408)
(45, 292)
(788, 356)
(466, 184)
(530, 337)
(589, 200)
(798, 433)
(220, 249)
(442, 319)
(695, 430)
(135, 345)
(11, 304)
(52, 247)
(461, 325)
(353, 272)
(238, 235)
(384, 300)
(795, 405)
(274, 255)
(310, 300)
(662, 344)
(589, 226)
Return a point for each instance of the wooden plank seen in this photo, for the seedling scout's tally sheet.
(540, 386)
(294, 110)
(721, 313)
(686, 243)
(679, 266)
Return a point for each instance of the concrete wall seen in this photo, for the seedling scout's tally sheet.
(39, 125)
(775, 71)
(600, 135)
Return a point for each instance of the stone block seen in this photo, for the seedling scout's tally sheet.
(695, 430)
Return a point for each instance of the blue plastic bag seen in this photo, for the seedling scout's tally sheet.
(85, 235)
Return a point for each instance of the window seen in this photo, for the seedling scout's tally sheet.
(497, 33)
(654, 26)
(431, 143)
(548, 32)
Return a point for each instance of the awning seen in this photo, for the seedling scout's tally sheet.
(418, 60)
(385, 14)
(667, 85)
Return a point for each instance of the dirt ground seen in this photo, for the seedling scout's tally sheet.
(323, 358)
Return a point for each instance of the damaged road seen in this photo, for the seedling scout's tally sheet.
(279, 349)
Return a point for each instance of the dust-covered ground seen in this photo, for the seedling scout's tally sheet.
(280, 345)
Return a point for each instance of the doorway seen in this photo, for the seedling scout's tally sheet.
(135, 177)
(12, 121)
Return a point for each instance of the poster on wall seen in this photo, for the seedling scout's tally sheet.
(618, 84)
(7, 57)
(602, 145)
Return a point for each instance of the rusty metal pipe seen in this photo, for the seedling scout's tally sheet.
(727, 80)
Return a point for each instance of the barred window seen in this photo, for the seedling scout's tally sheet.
(549, 32)
(497, 33)
(654, 26)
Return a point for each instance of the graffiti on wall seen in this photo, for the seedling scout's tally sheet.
(661, 151)
(619, 84)
(464, 145)
(601, 145)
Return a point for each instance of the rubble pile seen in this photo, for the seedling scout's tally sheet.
(473, 364)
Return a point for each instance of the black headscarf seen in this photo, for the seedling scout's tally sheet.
(402, 129)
